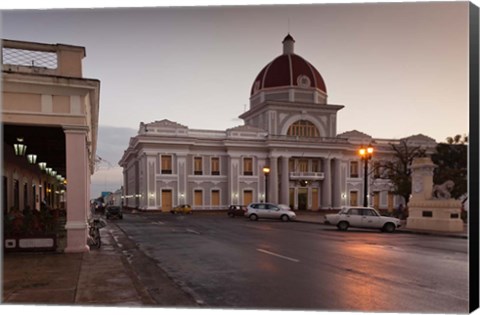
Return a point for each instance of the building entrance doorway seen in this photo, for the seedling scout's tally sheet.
(302, 199)
(247, 197)
(166, 200)
(198, 198)
(314, 199)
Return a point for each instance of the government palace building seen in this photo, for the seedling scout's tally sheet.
(289, 128)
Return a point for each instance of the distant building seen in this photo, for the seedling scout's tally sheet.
(290, 127)
(49, 107)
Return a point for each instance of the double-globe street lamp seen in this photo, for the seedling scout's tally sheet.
(366, 155)
(266, 171)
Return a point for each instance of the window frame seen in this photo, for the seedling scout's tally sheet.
(166, 164)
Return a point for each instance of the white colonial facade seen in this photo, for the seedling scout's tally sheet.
(290, 127)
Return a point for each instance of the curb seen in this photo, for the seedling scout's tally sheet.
(406, 231)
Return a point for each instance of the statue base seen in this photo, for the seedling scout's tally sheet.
(435, 215)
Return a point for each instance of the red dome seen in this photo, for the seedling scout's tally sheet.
(288, 70)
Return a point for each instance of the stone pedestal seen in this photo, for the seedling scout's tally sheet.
(435, 215)
(426, 212)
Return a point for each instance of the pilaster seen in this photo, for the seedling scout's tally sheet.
(77, 196)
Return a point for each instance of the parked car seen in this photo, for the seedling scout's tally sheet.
(236, 210)
(183, 209)
(113, 211)
(269, 211)
(362, 217)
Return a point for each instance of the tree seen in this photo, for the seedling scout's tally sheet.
(398, 170)
(451, 159)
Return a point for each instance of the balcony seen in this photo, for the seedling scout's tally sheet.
(306, 176)
(46, 59)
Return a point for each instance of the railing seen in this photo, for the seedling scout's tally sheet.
(39, 58)
(308, 139)
(306, 176)
(29, 58)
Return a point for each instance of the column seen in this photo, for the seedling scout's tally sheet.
(337, 184)
(327, 184)
(182, 180)
(151, 181)
(284, 196)
(77, 196)
(273, 181)
(233, 184)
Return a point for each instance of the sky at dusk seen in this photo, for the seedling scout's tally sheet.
(399, 69)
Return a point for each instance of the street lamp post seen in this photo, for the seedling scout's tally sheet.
(266, 171)
(365, 154)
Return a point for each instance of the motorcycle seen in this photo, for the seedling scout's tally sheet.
(94, 226)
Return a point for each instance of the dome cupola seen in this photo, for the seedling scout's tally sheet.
(288, 70)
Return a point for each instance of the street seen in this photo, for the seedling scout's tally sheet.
(236, 263)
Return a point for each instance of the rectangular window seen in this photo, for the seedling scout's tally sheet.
(315, 166)
(166, 164)
(291, 165)
(376, 169)
(215, 166)
(247, 166)
(16, 195)
(197, 166)
(303, 166)
(354, 169)
(25, 195)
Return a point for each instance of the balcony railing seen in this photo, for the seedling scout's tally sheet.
(45, 59)
(306, 176)
(308, 139)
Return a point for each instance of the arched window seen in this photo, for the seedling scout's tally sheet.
(303, 128)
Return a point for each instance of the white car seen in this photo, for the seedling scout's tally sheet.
(362, 217)
(269, 211)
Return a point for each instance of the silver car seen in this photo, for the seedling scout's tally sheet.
(269, 211)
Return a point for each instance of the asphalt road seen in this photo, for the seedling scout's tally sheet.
(235, 263)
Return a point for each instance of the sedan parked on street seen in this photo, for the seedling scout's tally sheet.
(362, 217)
(269, 211)
(236, 210)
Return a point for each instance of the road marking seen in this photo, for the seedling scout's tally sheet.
(193, 231)
(158, 223)
(277, 255)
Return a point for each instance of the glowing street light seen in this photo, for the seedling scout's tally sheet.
(366, 155)
(266, 171)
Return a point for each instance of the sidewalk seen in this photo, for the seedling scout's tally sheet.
(101, 277)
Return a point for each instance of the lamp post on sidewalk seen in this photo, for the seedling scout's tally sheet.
(366, 155)
(266, 171)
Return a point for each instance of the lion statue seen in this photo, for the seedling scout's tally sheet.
(444, 190)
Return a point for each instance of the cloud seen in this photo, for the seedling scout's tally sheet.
(112, 142)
